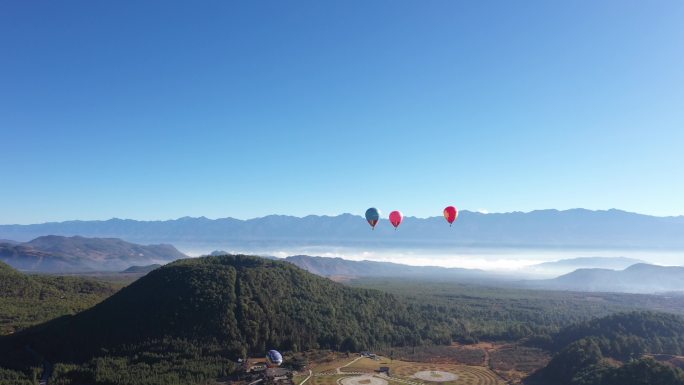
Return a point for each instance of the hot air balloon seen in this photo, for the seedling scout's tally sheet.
(372, 216)
(274, 358)
(396, 217)
(450, 214)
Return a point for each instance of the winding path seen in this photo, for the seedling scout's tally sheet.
(339, 370)
(307, 379)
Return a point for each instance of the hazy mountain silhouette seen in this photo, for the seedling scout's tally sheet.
(68, 254)
(564, 266)
(543, 228)
(329, 267)
(639, 278)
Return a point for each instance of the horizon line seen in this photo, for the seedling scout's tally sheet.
(480, 212)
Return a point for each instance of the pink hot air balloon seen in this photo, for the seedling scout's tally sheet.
(396, 217)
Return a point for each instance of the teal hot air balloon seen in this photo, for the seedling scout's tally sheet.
(372, 216)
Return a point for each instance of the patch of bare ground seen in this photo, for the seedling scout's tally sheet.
(479, 345)
(676, 361)
(362, 380)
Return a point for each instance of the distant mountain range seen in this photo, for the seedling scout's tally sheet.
(77, 254)
(639, 278)
(564, 266)
(543, 228)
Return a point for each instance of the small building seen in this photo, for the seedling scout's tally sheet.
(384, 369)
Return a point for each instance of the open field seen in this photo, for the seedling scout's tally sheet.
(365, 371)
(325, 380)
(363, 380)
(435, 376)
(330, 362)
(465, 374)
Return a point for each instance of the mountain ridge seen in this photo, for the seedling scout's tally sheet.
(539, 228)
(589, 261)
(638, 278)
(53, 253)
(568, 265)
(329, 267)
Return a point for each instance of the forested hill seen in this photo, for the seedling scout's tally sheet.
(246, 304)
(14, 283)
(141, 269)
(26, 300)
(625, 334)
(591, 353)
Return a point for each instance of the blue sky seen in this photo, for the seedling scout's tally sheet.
(157, 110)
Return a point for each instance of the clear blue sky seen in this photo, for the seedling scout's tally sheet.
(161, 109)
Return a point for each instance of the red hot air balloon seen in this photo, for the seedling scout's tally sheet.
(396, 217)
(450, 214)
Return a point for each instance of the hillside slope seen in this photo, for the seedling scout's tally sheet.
(27, 300)
(15, 284)
(609, 351)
